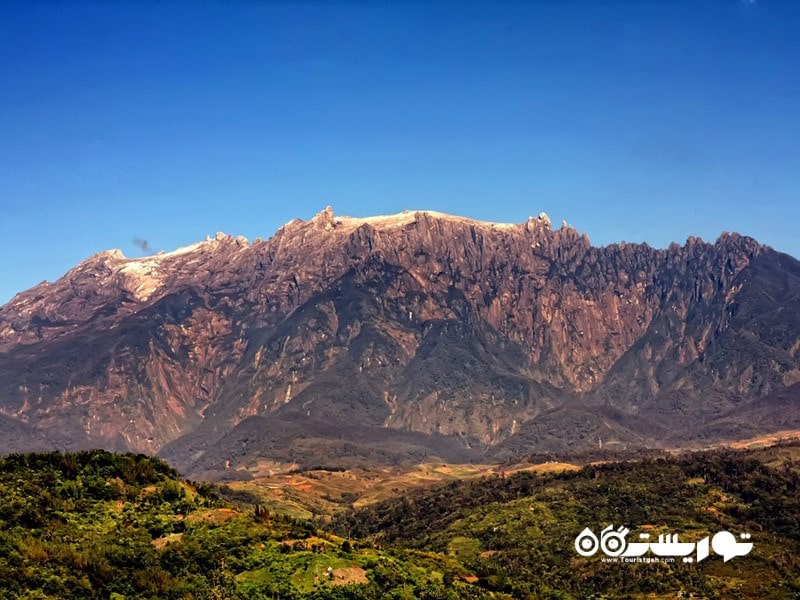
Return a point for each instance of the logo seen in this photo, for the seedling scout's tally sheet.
(613, 544)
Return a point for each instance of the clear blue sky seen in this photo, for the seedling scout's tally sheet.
(636, 121)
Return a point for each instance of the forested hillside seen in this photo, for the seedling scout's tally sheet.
(100, 525)
(517, 533)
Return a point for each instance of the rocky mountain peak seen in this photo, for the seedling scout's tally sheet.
(324, 219)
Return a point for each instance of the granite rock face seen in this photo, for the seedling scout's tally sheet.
(420, 334)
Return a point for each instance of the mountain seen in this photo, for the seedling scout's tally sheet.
(402, 338)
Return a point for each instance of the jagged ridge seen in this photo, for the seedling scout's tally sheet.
(482, 332)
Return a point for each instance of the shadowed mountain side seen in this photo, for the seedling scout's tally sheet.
(776, 412)
(578, 428)
(18, 437)
(307, 443)
(697, 364)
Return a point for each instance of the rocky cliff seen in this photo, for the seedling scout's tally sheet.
(399, 338)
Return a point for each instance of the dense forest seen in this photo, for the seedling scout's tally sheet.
(517, 533)
(101, 525)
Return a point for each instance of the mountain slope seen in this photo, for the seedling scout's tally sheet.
(496, 336)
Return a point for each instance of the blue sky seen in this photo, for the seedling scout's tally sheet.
(636, 121)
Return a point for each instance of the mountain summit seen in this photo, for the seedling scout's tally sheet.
(403, 337)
